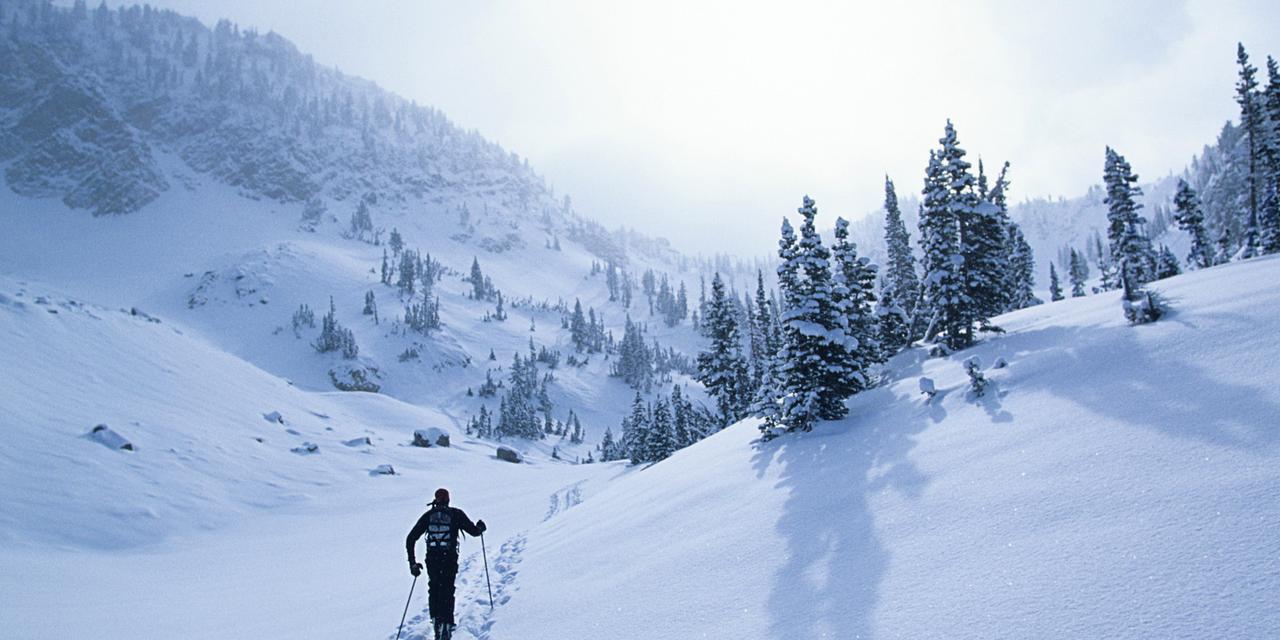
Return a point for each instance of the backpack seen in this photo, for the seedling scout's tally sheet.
(440, 531)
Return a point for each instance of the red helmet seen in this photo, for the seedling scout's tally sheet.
(442, 495)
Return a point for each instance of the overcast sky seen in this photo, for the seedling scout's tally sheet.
(707, 121)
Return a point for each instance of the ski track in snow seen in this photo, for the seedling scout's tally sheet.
(473, 612)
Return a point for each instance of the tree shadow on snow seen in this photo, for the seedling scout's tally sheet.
(1162, 390)
(828, 585)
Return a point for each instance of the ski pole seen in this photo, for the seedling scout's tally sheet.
(485, 555)
(406, 607)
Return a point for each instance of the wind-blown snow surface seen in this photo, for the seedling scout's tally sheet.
(1116, 481)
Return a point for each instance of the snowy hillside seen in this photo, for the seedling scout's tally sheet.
(1115, 481)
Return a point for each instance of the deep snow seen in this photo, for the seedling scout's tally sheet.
(1115, 481)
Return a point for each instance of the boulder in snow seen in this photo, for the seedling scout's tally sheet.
(359, 442)
(382, 470)
(274, 416)
(927, 388)
(430, 437)
(103, 434)
(307, 448)
(508, 454)
(1000, 363)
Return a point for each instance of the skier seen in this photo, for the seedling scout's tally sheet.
(441, 524)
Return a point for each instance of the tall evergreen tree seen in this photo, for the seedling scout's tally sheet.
(901, 273)
(660, 437)
(722, 368)
(945, 296)
(1269, 238)
(1022, 271)
(1130, 247)
(1078, 274)
(855, 296)
(1055, 287)
(895, 323)
(1253, 123)
(634, 429)
(1190, 218)
(814, 373)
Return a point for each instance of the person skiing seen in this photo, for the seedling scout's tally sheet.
(441, 524)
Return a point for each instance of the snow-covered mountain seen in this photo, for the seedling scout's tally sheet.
(232, 181)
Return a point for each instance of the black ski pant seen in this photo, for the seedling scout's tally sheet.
(441, 570)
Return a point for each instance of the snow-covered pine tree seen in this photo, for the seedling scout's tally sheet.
(683, 421)
(385, 269)
(578, 327)
(634, 428)
(1252, 121)
(1166, 263)
(901, 269)
(1190, 218)
(1055, 287)
(361, 227)
(660, 437)
(395, 242)
(1130, 247)
(987, 241)
(855, 280)
(815, 366)
(608, 448)
(1269, 237)
(335, 337)
(1078, 274)
(895, 323)
(764, 334)
(635, 362)
(945, 296)
(1022, 271)
(721, 367)
(408, 273)
(478, 289)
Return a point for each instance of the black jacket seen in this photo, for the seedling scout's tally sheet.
(441, 525)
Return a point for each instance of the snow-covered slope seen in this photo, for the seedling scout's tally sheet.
(1114, 481)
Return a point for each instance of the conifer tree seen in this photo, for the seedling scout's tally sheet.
(1078, 273)
(895, 324)
(578, 327)
(1021, 270)
(634, 427)
(1269, 237)
(814, 371)
(986, 240)
(660, 440)
(1055, 287)
(901, 273)
(721, 368)
(855, 280)
(1253, 123)
(1166, 264)
(944, 292)
(1130, 248)
(1190, 218)
(395, 242)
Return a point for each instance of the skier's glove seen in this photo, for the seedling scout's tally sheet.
(481, 526)
(415, 568)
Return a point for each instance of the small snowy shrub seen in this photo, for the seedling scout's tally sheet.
(1148, 306)
(977, 381)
